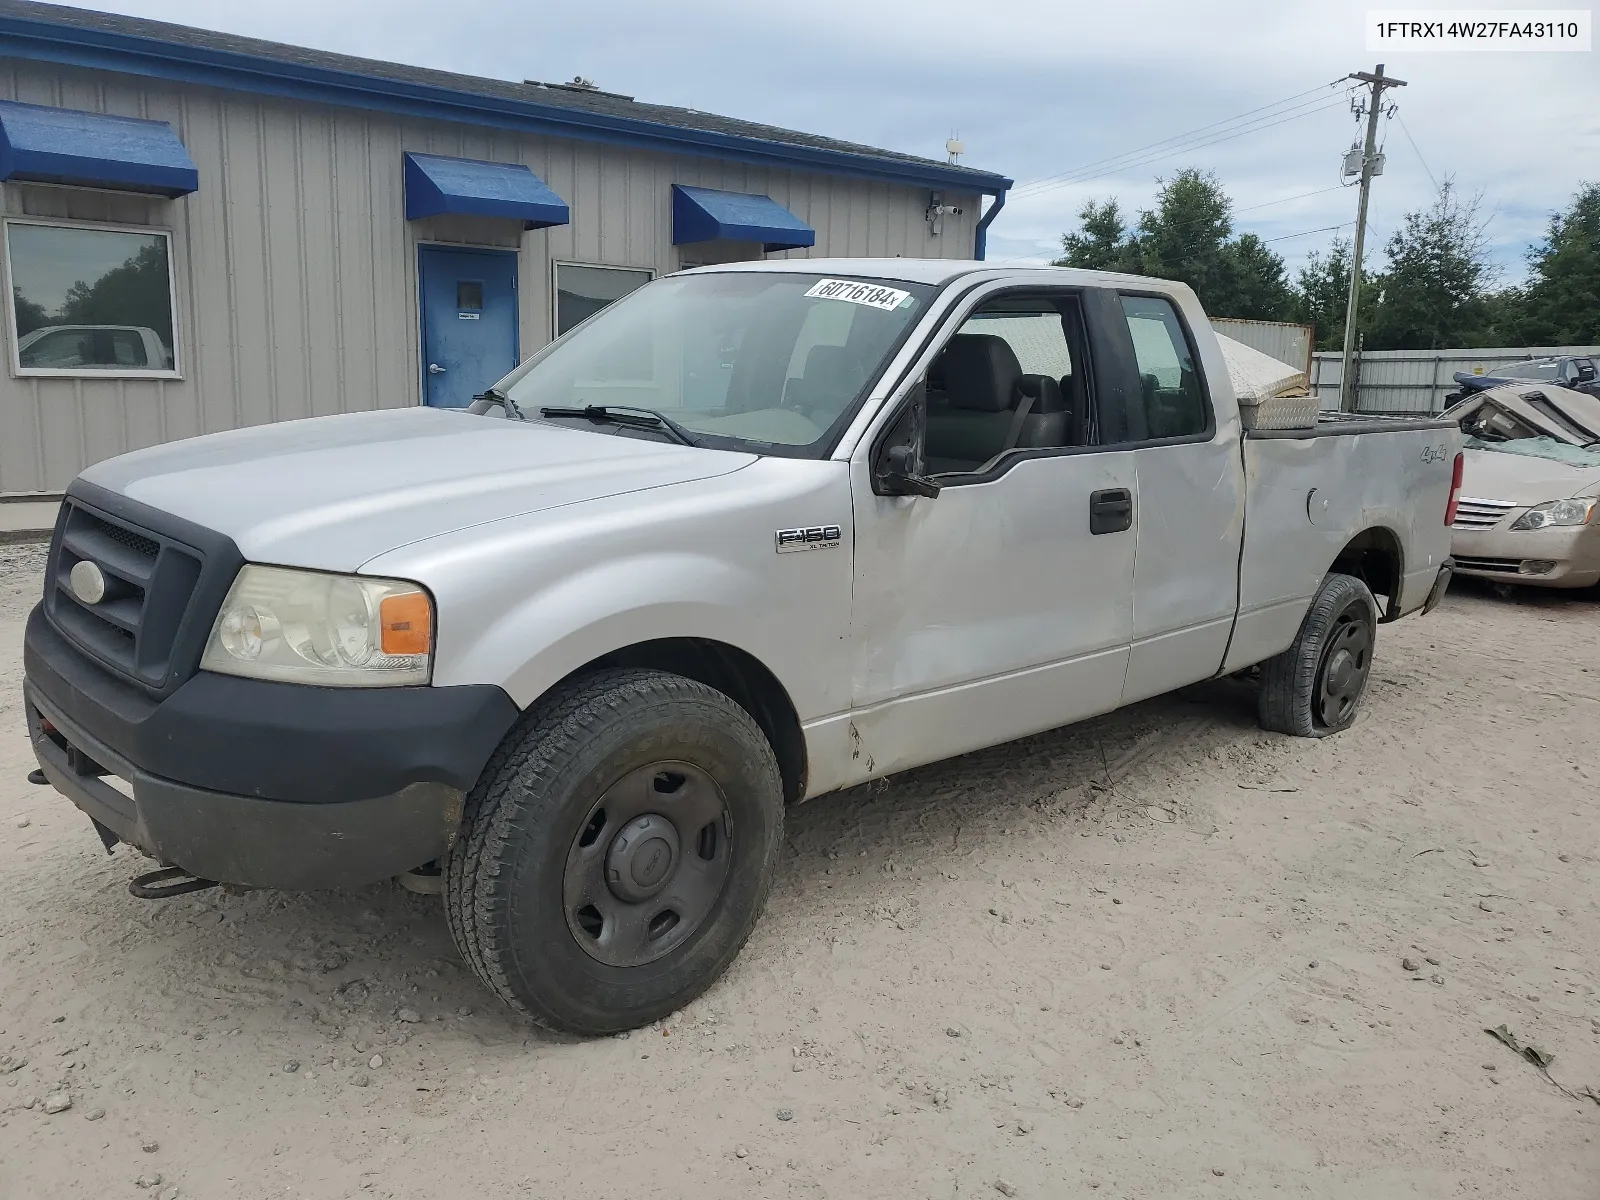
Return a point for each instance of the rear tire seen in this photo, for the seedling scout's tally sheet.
(1315, 687)
(617, 851)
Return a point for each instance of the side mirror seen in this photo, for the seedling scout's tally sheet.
(897, 462)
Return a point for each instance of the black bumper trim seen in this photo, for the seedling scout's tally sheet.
(243, 839)
(274, 741)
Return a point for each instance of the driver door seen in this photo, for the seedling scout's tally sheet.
(1003, 606)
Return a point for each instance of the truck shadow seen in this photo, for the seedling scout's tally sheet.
(315, 975)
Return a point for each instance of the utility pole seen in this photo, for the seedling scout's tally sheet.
(1377, 81)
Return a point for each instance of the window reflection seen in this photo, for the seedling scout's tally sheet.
(90, 300)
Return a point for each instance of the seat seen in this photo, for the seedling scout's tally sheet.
(828, 381)
(984, 385)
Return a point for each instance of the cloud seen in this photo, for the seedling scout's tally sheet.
(1035, 87)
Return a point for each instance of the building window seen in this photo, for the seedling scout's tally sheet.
(90, 301)
(582, 291)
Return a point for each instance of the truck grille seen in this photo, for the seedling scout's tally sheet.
(1509, 566)
(1474, 513)
(150, 581)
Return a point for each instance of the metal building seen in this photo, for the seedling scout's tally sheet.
(204, 231)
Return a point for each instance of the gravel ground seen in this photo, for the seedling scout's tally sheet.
(1160, 954)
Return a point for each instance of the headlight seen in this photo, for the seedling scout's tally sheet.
(1556, 512)
(332, 630)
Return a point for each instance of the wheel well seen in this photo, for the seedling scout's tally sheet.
(739, 676)
(1374, 557)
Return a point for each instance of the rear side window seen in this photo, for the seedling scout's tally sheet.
(1169, 385)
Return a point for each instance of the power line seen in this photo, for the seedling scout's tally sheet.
(1251, 116)
(1338, 187)
(1308, 232)
(1418, 150)
(1181, 136)
(1185, 149)
(1131, 161)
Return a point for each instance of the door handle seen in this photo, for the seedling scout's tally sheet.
(1111, 510)
(435, 369)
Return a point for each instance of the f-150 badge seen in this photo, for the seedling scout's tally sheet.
(812, 537)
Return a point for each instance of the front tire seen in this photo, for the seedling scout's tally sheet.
(617, 850)
(1315, 687)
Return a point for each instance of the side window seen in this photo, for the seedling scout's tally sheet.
(1004, 381)
(1169, 385)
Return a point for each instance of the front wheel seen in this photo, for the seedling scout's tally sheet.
(1315, 686)
(617, 852)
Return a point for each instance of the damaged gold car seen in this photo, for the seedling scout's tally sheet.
(1531, 484)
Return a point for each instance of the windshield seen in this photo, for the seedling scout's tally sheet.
(1529, 370)
(749, 360)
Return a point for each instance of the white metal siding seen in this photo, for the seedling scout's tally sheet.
(295, 267)
(1416, 381)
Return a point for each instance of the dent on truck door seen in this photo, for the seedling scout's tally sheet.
(1191, 506)
(1001, 607)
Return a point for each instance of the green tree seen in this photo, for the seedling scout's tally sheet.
(1187, 236)
(135, 293)
(1260, 289)
(1561, 306)
(1102, 244)
(1432, 292)
(1321, 295)
(30, 313)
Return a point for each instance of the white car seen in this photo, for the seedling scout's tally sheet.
(752, 534)
(112, 347)
(1531, 487)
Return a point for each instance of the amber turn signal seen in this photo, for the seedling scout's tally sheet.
(407, 623)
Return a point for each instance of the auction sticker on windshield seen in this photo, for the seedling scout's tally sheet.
(874, 295)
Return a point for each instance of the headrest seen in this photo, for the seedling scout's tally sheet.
(981, 372)
(828, 364)
(1046, 392)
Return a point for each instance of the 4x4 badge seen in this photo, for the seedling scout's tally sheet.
(812, 537)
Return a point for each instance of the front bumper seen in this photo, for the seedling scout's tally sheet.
(256, 783)
(1564, 556)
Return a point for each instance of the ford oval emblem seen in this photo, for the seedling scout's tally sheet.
(88, 582)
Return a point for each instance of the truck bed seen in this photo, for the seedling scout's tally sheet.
(1311, 492)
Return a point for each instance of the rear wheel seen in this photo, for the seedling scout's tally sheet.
(1315, 687)
(617, 851)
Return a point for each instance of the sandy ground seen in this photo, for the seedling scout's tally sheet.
(1157, 955)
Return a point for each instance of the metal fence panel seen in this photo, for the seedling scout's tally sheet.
(1416, 381)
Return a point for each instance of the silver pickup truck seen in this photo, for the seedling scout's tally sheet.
(753, 534)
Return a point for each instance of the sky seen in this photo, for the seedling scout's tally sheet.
(1037, 89)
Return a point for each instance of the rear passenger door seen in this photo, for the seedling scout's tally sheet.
(1191, 496)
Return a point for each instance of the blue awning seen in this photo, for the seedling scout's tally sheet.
(65, 145)
(704, 215)
(435, 185)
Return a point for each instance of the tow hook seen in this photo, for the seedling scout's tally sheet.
(37, 778)
(166, 883)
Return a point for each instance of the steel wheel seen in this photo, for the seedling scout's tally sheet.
(1342, 676)
(647, 864)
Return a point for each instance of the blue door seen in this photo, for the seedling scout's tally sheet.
(469, 321)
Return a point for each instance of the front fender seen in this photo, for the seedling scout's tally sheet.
(522, 603)
(597, 611)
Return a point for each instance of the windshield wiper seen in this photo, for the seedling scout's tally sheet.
(494, 395)
(626, 414)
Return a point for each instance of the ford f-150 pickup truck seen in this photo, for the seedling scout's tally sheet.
(753, 534)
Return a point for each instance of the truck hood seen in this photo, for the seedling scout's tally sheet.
(1522, 478)
(333, 492)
